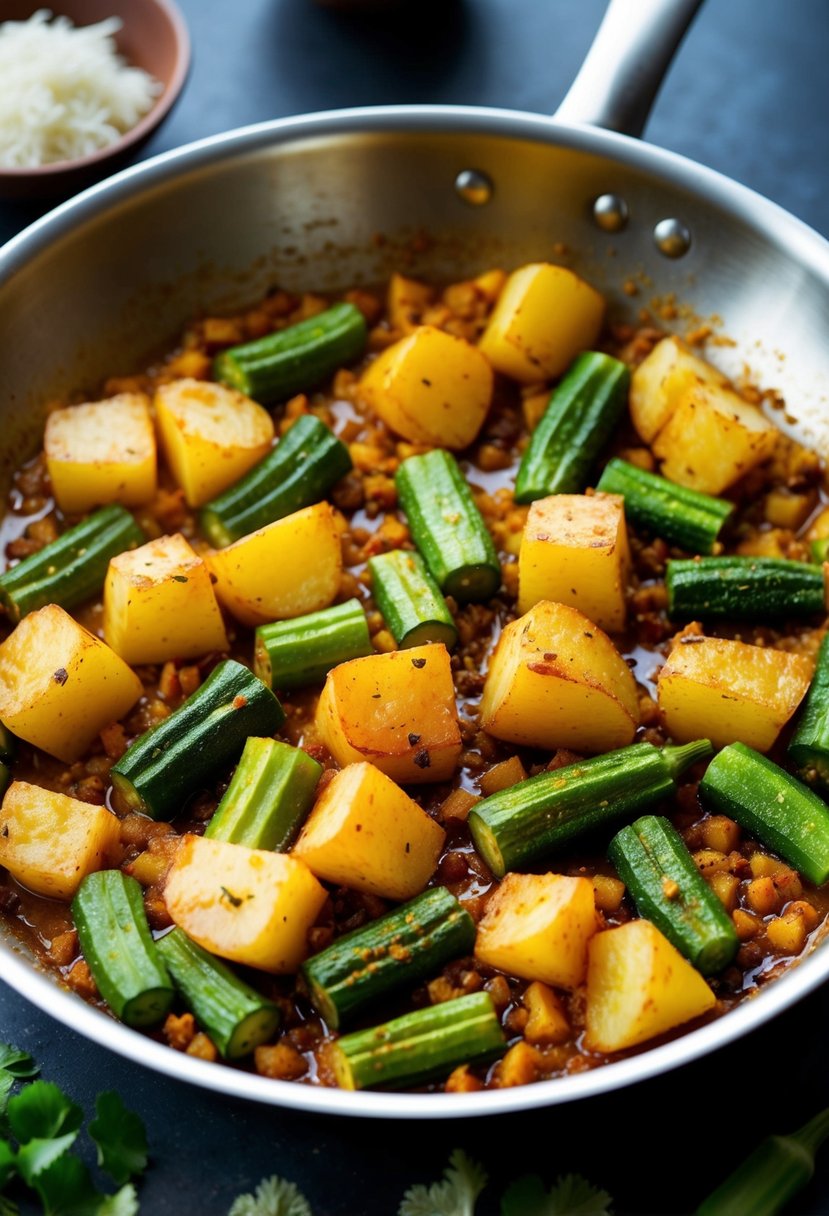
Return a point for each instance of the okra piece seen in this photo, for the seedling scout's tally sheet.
(268, 798)
(808, 750)
(291, 654)
(819, 551)
(775, 807)
(185, 752)
(410, 600)
(294, 359)
(652, 861)
(674, 513)
(744, 588)
(72, 568)
(418, 1046)
(771, 1176)
(536, 816)
(583, 412)
(395, 951)
(297, 473)
(119, 950)
(447, 527)
(235, 1016)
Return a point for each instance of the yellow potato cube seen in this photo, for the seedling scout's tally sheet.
(366, 833)
(248, 905)
(430, 387)
(60, 685)
(727, 691)
(712, 439)
(50, 842)
(659, 381)
(555, 680)
(159, 604)
(547, 1020)
(396, 710)
(575, 551)
(639, 986)
(537, 926)
(211, 435)
(406, 302)
(545, 316)
(102, 452)
(283, 570)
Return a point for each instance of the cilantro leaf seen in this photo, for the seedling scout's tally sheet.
(120, 1137)
(7, 1080)
(19, 1063)
(456, 1195)
(571, 1195)
(43, 1112)
(66, 1189)
(273, 1197)
(8, 1162)
(38, 1154)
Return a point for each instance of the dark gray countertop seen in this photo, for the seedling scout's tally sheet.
(747, 96)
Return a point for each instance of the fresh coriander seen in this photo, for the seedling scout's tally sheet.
(120, 1138)
(456, 1195)
(570, 1195)
(273, 1197)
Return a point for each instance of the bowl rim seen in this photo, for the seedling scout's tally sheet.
(154, 116)
(774, 224)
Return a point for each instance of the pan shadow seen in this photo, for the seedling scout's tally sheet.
(401, 51)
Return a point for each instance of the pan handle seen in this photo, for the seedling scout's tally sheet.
(633, 48)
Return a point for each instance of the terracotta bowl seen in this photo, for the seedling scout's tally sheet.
(153, 36)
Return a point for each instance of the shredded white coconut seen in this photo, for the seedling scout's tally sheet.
(65, 92)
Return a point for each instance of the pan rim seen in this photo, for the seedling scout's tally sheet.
(790, 235)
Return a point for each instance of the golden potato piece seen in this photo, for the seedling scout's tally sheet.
(556, 680)
(727, 691)
(575, 551)
(49, 842)
(659, 381)
(396, 710)
(367, 834)
(159, 604)
(431, 388)
(60, 685)
(544, 317)
(639, 986)
(211, 435)
(102, 452)
(537, 926)
(283, 570)
(247, 905)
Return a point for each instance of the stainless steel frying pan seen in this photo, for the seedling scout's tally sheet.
(337, 198)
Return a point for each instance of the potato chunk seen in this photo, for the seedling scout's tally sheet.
(396, 710)
(247, 905)
(712, 439)
(555, 680)
(406, 302)
(60, 685)
(659, 381)
(366, 833)
(159, 604)
(211, 435)
(430, 387)
(727, 691)
(50, 842)
(102, 452)
(575, 551)
(283, 570)
(537, 926)
(639, 986)
(544, 317)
